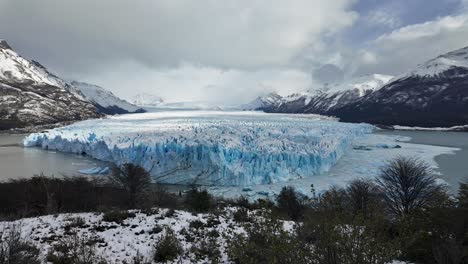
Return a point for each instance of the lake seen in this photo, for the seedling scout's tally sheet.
(17, 162)
(454, 168)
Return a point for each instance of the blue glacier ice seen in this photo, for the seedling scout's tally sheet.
(211, 148)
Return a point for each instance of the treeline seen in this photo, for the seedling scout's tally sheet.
(128, 187)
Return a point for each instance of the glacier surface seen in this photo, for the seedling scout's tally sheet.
(211, 147)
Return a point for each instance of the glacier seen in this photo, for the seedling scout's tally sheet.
(212, 148)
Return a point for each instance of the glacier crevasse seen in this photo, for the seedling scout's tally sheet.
(210, 148)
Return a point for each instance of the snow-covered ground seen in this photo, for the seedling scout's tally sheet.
(211, 147)
(120, 242)
(137, 235)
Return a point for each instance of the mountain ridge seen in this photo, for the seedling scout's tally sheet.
(433, 94)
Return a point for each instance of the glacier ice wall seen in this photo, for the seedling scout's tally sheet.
(211, 148)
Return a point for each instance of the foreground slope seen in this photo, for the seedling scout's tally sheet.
(212, 148)
(30, 95)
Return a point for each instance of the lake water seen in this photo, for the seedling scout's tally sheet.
(454, 168)
(18, 162)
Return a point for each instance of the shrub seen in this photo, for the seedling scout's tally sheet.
(197, 224)
(462, 196)
(407, 185)
(242, 201)
(266, 241)
(264, 204)
(436, 235)
(361, 241)
(199, 201)
(14, 249)
(168, 247)
(116, 216)
(170, 213)
(74, 249)
(291, 203)
(75, 222)
(156, 229)
(241, 215)
(207, 249)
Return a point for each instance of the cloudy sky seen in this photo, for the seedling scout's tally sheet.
(229, 51)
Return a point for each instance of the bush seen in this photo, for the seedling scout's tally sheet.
(170, 213)
(168, 247)
(463, 195)
(197, 224)
(266, 242)
(291, 203)
(207, 249)
(241, 215)
(75, 222)
(74, 249)
(198, 201)
(407, 185)
(361, 241)
(14, 249)
(436, 235)
(116, 216)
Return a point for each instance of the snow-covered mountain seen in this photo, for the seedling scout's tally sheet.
(434, 94)
(145, 99)
(270, 100)
(326, 98)
(31, 95)
(104, 100)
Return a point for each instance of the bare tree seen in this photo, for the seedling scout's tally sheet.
(291, 202)
(407, 185)
(134, 179)
(363, 197)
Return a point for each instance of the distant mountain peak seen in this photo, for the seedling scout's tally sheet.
(441, 64)
(147, 99)
(104, 99)
(4, 44)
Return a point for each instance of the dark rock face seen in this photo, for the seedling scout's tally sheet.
(30, 104)
(414, 101)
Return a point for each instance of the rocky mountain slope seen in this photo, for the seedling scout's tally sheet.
(333, 96)
(104, 100)
(434, 94)
(263, 102)
(30, 95)
(322, 100)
